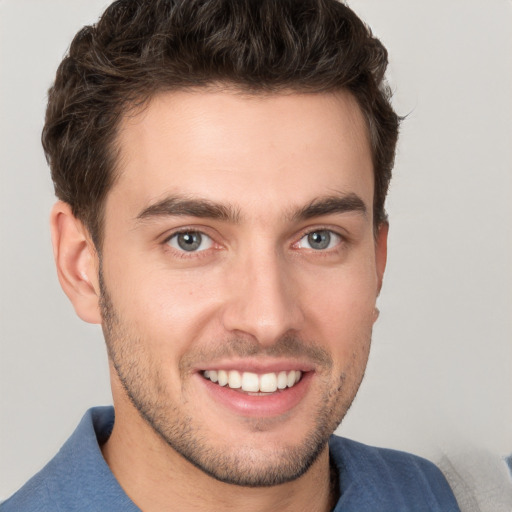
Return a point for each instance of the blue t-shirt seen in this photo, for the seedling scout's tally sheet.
(370, 479)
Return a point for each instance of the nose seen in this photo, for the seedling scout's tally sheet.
(263, 299)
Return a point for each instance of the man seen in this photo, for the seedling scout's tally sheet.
(221, 169)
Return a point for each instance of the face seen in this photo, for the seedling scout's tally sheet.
(239, 275)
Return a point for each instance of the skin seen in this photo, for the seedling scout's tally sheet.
(256, 295)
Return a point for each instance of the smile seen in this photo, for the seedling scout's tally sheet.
(252, 382)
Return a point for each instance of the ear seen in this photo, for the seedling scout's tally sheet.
(381, 252)
(77, 262)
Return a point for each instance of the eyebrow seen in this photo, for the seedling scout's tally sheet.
(186, 206)
(204, 208)
(346, 203)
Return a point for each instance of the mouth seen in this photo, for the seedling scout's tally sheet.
(251, 388)
(254, 383)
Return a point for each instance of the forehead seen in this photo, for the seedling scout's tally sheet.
(273, 150)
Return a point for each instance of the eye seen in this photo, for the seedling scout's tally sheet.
(319, 240)
(190, 241)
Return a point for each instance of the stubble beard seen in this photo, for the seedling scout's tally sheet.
(244, 466)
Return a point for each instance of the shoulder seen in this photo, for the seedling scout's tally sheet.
(32, 497)
(35, 495)
(388, 479)
(77, 478)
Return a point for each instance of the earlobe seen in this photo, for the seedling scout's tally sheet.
(77, 262)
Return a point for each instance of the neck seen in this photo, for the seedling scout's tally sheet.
(156, 478)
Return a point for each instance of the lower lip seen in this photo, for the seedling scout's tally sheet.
(266, 406)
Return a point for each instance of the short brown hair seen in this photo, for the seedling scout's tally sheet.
(141, 47)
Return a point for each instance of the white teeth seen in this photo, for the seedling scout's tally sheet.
(268, 382)
(222, 377)
(234, 379)
(282, 380)
(252, 382)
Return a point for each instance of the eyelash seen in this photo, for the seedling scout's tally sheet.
(187, 254)
(203, 253)
(318, 229)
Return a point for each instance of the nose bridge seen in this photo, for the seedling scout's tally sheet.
(263, 301)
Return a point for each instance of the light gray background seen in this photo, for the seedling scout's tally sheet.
(439, 379)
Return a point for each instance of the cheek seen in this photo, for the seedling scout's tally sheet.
(344, 299)
(341, 316)
(167, 310)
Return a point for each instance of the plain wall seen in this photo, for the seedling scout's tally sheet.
(439, 378)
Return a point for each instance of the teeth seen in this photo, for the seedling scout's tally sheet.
(252, 382)
(268, 382)
(282, 380)
(234, 379)
(222, 377)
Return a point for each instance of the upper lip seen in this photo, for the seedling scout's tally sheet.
(260, 366)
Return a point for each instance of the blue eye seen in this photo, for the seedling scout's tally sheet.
(319, 240)
(190, 241)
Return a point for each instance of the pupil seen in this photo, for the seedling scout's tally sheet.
(319, 239)
(189, 241)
